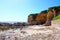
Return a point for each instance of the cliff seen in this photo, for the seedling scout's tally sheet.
(41, 17)
(31, 18)
(44, 17)
(52, 12)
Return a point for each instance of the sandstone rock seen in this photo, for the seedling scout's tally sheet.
(44, 16)
(41, 18)
(52, 12)
(31, 18)
(48, 23)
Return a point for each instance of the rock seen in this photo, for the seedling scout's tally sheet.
(52, 12)
(44, 17)
(41, 17)
(31, 18)
(48, 23)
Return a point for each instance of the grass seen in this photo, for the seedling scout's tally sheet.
(57, 17)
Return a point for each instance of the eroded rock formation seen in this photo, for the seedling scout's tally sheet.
(41, 17)
(52, 12)
(45, 16)
(31, 18)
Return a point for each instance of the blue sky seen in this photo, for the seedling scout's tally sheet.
(18, 10)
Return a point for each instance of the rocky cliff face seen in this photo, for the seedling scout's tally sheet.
(44, 17)
(31, 18)
(52, 12)
(41, 17)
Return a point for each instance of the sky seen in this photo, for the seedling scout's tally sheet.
(18, 10)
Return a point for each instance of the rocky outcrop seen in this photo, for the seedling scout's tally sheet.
(44, 17)
(52, 12)
(31, 18)
(41, 17)
(50, 15)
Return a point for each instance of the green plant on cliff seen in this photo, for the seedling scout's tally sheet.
(57, 17)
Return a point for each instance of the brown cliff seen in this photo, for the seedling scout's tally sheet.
(44, 17)
(31, 18)
(41, 17)
(52, 12)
